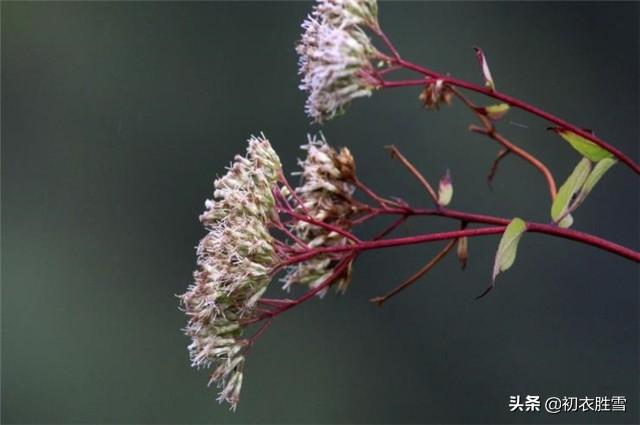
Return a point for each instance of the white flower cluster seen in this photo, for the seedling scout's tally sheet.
(235, 260)
(336, 55)
(326, 193)
(349, 12)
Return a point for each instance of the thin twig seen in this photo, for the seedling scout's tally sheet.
(417, 275)
(494, 166)
(330, 280)
(395, 153)
(292, 192)
(388, 43)
(490, 131)
(393, 226)
(383, 202)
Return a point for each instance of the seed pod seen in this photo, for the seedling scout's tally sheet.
(463, 251)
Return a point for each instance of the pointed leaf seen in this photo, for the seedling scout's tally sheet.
(488, 79)
(569, 189)
(596, 174)
(508, 246)
(585, 147)
(598, 171)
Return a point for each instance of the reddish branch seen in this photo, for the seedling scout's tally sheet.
(398, 62)
(417, 275)
(395, 153)
(345, 254)
(494, 166)
(483, 231)
(349, 252)
(490, 131)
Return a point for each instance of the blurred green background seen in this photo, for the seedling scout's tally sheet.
(117, 116)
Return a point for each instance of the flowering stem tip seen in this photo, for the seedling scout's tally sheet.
(260, 228)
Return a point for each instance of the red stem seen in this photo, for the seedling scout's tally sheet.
(417, 275)
(513, 102)
(379, 199)
(292, 191)
(490, 131)
(403, 83)
(471, 218)
(326, 226)
(393, 226)
(337, 272)
(388, 243)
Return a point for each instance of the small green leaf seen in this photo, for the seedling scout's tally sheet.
(585, 147)
(596, 174)
(508, 246)
(598, 171)
(495, 112)
(569, 189)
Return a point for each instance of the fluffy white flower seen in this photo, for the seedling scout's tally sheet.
(235, 260)
(344, 13)
(336, 66)
(246, 188)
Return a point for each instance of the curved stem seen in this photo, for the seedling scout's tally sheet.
(494, 166)
(551, 183)
(512, 101)
(490, 131)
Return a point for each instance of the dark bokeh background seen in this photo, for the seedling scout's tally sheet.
(116, 117)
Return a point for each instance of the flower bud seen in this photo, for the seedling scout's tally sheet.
(463, 251)
(346, 164)
(445, 190)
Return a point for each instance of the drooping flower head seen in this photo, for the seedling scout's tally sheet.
(238, 257)
(326, 193)
(336, 56)
(234, 263)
